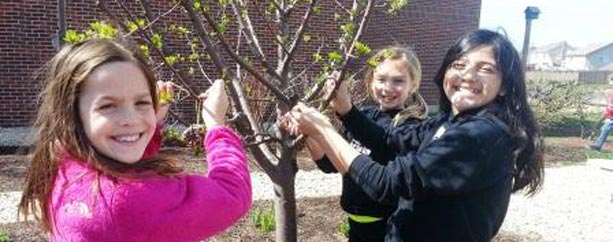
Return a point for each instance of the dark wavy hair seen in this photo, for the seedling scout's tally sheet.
(511, 107)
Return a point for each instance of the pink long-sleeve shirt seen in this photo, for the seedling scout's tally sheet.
(156, 208)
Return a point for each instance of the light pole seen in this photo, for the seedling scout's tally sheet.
(58, 38)
(531, 13)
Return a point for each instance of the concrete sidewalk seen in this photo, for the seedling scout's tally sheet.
(11, 139)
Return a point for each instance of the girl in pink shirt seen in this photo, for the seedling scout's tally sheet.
(95, 173)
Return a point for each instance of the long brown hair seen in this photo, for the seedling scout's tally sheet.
(415, 106)
(59, 131)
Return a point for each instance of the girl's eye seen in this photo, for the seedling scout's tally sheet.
(458, 66)
(488, 69)
(106, 106)
(143, 103)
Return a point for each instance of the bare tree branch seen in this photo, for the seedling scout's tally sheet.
(240, 61)
(251, 38)
(246, 125)
(298, 140)
(147, 9)
(297, 39)
(277, 6)
(271, 29)
(342, 6)
(349, 52)
(183, 79)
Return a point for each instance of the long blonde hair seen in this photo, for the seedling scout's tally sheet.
(415, 106)
(59, 131)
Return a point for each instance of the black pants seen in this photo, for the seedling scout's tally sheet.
(367, 232)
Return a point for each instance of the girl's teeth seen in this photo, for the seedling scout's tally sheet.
(130, 138)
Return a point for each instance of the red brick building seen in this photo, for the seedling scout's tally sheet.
(27, 28)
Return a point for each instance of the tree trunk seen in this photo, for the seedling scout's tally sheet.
(285, 209)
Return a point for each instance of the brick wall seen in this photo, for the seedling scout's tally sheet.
(27, 27)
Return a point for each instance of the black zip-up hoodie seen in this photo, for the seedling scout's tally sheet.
(353, 199)
(456, 186)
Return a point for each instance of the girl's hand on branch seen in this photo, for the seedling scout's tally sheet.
(305, 120)
(165, 92)
(341, 103)
(215, 104)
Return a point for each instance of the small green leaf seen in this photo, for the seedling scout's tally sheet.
(165, 98)
(171, 59)
(132, 26)
(362, 48)
(157, 41)
(395, 5)
(335, 56)
(73, 36)
(144, 49)
(103, 30)
(193, 57)
(372, 62)
(197, 4)
(348, 28)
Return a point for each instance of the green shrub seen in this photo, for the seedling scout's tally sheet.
(561, 106)
(193, 137)
(172, 137)
(4, 237)
(264, 219)
(343, 228)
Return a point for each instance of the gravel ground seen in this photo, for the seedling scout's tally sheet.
(576, 203)
(262, 190)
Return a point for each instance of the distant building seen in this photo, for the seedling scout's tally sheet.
(561, 56)
(590, 58)
(549, 57)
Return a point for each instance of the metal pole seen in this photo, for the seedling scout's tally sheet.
(524, 52)
(61, 5)
(531, 13)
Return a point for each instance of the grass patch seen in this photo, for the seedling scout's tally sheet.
(4, 236)
(592, 154)
(571, 125)
(264, 219)
(571, 150)
(343, 228)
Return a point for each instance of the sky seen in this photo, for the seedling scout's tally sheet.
(578, 22)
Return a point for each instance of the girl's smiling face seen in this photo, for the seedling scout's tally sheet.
(392, 84)
(116, 110)
(473, 80)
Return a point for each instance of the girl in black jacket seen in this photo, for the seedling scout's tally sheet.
(392, 80)
(484, 145)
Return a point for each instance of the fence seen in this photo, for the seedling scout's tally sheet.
(591, 77)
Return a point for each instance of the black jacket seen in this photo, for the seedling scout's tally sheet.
(353, 199)
(456, 186)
